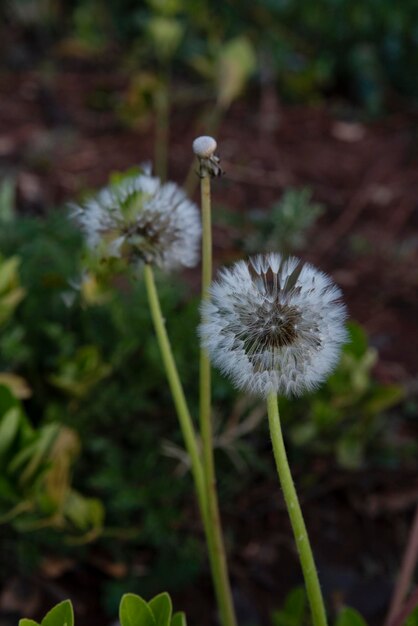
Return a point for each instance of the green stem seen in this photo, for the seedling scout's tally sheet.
(176, 388)
(218, 565)
(299, 529)
(162, 114)
(215, 535)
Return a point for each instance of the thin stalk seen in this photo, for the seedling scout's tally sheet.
(162, 115)
(189, 435)
(409, 562)
(299, 529)
(215, 538)
(177, 392)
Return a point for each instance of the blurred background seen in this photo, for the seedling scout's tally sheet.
(315, 109)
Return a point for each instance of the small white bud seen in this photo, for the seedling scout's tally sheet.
(204, 147)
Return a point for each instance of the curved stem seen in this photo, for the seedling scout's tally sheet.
(215, 548)
(299, 529)
(177, 392)
(215, 535)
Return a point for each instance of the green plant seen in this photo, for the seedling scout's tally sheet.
(204, 148)
(294, 612)
(346, 415)
(11, 293)
(7, 199)
(349, 617)
(36, 464)
(146, 225)
(60, 342)
(285, 225)
(133, 611)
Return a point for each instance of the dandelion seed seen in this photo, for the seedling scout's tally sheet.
(274, 325)
(143, 221)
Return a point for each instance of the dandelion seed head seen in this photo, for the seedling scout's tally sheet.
(143, 220)
(204, 146)
(209, 163)
(274, 324)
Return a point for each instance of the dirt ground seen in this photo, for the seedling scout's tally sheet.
(366, 174)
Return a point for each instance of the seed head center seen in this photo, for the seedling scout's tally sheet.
(277, 325)
(271, 326)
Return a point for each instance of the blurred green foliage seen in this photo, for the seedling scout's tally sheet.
(11, 293)
(86, 349)
(295, 612)
(345, 416)
(349, 617)
(363, 50)
(35, 469)
(285, 225)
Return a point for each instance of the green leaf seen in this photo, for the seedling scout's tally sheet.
(61, 615)
(46, 437)
(162, 609)
(349, 451)
(236, 63)
(27, 622)
(293, 611)
(9, 427)
(7, 399)
(83, 512)
(303, 433)
(358, 344)
(166, 34)
(7, 200)
(383, 398)
(349, 617)
(9, 273)
(179, 619)
(134, 611)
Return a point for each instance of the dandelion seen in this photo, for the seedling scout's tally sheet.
(274, 325)
(144, 221)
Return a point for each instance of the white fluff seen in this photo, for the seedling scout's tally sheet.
(146, 220)
(274, 324)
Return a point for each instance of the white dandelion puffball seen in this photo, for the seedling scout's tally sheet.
(142, 220)
(274, 325)
(204, 146)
